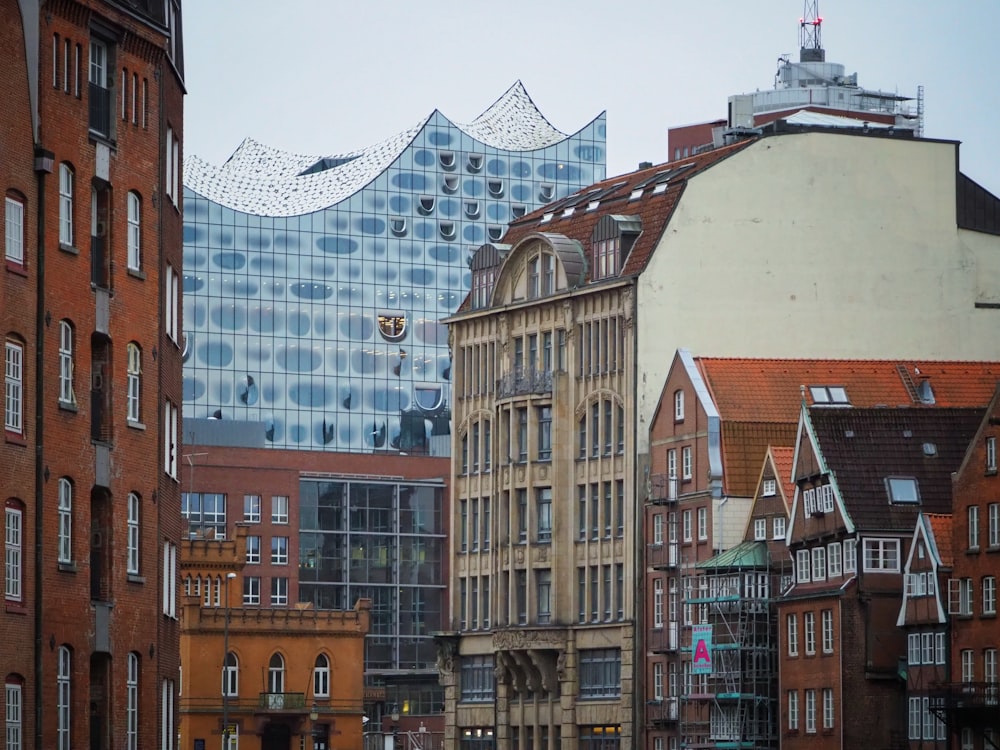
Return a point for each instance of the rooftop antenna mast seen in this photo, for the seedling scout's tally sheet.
(810, 33)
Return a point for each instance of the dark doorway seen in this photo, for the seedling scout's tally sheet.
(276, 737)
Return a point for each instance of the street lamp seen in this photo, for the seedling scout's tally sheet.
(225, 668)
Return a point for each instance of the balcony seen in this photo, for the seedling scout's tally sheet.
(100, 110)
(965, 704)
(524, 382)
(282, 702)
(663, 639)
(661, 556)
(662, 489)
(662, 710)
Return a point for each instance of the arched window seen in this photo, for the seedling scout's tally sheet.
(276, 674)
(64, 663)
(13, 688)
(65, 513)
(132, 702)
(230, 676)
(66, 204)
(134, 232)
(321, 677)
(134, 382)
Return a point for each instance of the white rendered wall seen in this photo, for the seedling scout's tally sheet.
(818, 245)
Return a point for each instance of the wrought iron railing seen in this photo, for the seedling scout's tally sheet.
(523, 381)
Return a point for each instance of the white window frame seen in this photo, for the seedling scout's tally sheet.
(658, 603)
(793, 710)
(134, 233)
(702, 524)
(133, 536)
(321, 677)
(251, 508)
(826, 625)
(64, 687)
(66, 205)
(993, 512)
(827, 708)
(13, 414)
(760, 529)
(13, 553)
(809, 631)
(251, 590)
(679, 405)
(792, 633)
(769, 488)
(279, 509)
(913, 653)
(672, 464)
(171, 306)
(134, 382)
(132, 702)
(170, 417)
(14, 714)
(279, 550)
(850, 556)
(253, 549)
(802, 567)
(991, 453)
(14, 230)
(64, 554)
(989, 595)
(658, 526)
(778, 527)
(279, 591)
(66, 367)
(878, 553)
(968, 662)
(686, 463)
(170, 580)
(231, 675)
(973, 516)
(834, 560)
(819, 563)
(686, 525)
(811, 711)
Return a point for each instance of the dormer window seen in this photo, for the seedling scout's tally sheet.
(450, 184)
(475, 162)
(902, 490)
(482, 286)
(495, 188)
(447, 159)
(392, 326)
(606, 258)
(611, 241)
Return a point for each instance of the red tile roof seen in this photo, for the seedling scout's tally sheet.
(770, 390)
(653, 209)
(940, 524)
(782, 457)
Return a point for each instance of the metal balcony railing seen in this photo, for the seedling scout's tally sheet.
(662, 555)
(662, 488)
(666, 638)
(523, 381)
(282, 701)
(660, 710)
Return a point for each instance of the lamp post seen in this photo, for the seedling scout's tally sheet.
(225, 668)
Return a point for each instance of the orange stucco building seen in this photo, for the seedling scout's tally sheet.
(293, 678)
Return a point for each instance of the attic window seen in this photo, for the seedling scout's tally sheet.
(661, 188)
(925, 392)
(475, 162)
(546, 218)
(495, 187)
(568, 211)
(770, 488)
(447, 159)
(829, 395)
(450, 183)
(930, 449)
(902, 490)
(635, 194)
(518, 210)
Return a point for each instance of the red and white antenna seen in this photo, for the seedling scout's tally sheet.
(810, 33)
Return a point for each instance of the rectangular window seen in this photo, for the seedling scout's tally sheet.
(927, 648)
(205, 513)
(940, 648)
(619, 508)
(819, 563)
(64, 686)
(65, 510)
(13, 546)
(989, 595)
(833, 559)
(134, 508)
(760, 529)
(132, 703)
(658, 603)
(769, 488)
(543, 502)
(521, 583)
(600, 673)
(702, 524)
(881, 555)
(828, 708)
(134, 233)
(802, 566)
(792, 634)
(173, 165)
(279, 592)
(14, 231)
(672, 464)
(679, 405)
(595, 509)
(686, 467)
(253, 550)
(251, 590)
(13, 715)
(686, 525)
(171, 304)
(658, 528)
(913, 649)
(850, 555)
(581, 492)
(811, 711)
(169, 579)
(991, 454)
(543, 594)
(793, 710)
(809, 625)
(522, 515)
(544, 414)
(279, 550)
(279, 509)
(65, 205)
(168, 734)
(251, 508)
(968, 665)
(826, 617)
(13, 387)
(778, 527)
(994, 521)
(581, 594)
(476, 679)
(973, 513)
(522, 434)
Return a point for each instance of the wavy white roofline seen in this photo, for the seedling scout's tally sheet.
(265, 181)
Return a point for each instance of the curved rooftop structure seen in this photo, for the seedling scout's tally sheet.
(259, 179)
(314, 285)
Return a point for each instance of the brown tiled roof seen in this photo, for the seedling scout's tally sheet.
(654, 210)
(782, 458)
(940, 524)
(769, 390)
(744, 446)
(862, 447)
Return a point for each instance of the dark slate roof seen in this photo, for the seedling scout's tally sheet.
(862, 447)
(652, 208)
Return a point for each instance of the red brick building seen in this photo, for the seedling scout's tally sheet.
(91, 132)
(968, 700)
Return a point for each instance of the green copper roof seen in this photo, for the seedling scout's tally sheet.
(744, 555)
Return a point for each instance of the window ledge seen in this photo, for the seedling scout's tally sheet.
(68, 406)
(16, 608)
(972, 551)
(136, 273)
(15, 438)
(68, 567)
(133, 578)
(16, 268)
(135, 425)
(988, 616)
(69, 249)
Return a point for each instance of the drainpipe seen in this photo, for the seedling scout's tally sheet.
(43, 165)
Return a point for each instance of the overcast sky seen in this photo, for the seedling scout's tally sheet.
(329, 76)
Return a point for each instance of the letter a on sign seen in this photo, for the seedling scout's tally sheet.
(701, 645)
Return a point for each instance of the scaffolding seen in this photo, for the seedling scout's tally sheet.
(733, 702)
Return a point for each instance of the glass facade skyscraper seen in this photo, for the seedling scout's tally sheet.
(314, 286)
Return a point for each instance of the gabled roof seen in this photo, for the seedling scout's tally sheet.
(653, 205)
(940, 536)
(770, 390)
(864, 447)
(782, 457)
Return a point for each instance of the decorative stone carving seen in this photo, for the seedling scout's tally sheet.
(447, 651)
(627, 295)
(519, 639)
(561, 667)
